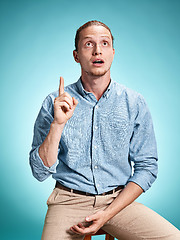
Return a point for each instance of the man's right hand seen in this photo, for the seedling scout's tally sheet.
(64, 105)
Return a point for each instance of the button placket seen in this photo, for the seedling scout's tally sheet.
(95, 147)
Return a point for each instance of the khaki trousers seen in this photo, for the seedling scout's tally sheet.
(135, 222)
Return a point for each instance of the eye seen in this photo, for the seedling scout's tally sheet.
(105, 43)
(88, 44)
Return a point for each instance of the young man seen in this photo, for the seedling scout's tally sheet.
(86, 136)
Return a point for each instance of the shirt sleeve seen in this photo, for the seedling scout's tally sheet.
(143, 149)
(41, 129)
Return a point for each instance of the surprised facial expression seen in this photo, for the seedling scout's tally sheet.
(95, 51)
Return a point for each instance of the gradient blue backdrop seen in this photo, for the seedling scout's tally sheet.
(37, 40)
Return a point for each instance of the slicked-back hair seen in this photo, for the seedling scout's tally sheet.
(88, 24)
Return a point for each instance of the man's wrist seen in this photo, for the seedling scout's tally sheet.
(107, 215)
(58, 126)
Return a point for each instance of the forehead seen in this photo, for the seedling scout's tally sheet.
(94, 31)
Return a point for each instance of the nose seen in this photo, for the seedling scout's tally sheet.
(97, 50)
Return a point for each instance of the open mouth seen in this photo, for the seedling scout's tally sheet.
(98, 62)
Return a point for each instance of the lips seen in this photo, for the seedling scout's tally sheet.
(98, 62)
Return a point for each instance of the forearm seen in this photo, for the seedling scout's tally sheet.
(48, 150)
(126, 197)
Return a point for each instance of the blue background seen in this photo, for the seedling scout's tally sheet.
(37, 40)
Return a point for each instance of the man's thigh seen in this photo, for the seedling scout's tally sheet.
(65, 209)
(137, 222)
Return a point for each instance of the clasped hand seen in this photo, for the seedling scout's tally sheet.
(98, 220)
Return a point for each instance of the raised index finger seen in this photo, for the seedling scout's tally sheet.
(61, 86)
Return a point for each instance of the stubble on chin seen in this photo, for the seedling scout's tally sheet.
(98, 73)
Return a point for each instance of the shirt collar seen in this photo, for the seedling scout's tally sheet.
(83, 92)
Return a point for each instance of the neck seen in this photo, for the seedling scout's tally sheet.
(96, 84)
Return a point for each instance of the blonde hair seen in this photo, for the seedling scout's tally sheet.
(88, 24)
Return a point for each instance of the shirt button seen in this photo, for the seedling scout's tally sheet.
(96, 107)
(95, 147)
(97, 185)
(95, 167)
(96, 127)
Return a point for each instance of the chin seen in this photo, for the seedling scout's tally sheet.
(98, 73)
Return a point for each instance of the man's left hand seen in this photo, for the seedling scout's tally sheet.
(98, 220)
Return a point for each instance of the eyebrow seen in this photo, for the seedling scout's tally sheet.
(92, 37)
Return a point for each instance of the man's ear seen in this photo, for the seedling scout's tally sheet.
(75, 55)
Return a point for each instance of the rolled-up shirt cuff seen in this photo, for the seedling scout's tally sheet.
(145, 179)
(40, 163)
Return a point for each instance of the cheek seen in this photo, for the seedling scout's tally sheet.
(110, 57)
(83, 55)
(85, 59)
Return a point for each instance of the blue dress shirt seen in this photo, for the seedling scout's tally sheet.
(100, 142)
